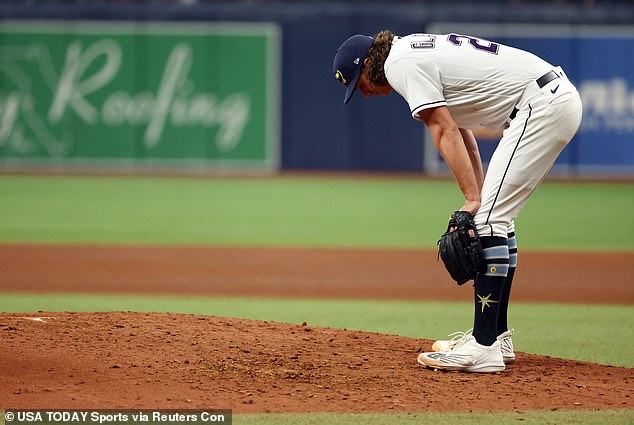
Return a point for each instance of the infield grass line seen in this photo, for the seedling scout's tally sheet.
(579, 332)
(341, 211)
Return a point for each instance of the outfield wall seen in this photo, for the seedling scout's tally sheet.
(116, 94)
(104, 86)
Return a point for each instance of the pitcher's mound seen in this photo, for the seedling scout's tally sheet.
(129, 360)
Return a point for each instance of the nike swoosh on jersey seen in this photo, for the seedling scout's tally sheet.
(553, 91)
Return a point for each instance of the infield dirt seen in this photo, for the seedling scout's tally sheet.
(127, 360)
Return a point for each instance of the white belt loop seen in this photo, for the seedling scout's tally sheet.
(559, 70)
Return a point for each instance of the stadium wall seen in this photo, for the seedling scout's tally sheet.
(315, 131)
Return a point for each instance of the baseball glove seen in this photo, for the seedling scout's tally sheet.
(460, 248)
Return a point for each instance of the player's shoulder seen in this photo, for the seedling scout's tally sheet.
(415, 42)
(407, 49)
(417, 45)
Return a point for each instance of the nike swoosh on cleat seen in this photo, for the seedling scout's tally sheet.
(553, 91)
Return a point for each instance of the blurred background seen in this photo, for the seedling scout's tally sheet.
(201, 86)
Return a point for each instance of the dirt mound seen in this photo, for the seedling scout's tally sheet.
(148, 361)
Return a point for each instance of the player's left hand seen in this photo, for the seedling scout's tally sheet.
(471, 207)
(460, 248)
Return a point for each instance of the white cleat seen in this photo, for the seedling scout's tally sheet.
(506, 344)
(469, 357)
(459, 338)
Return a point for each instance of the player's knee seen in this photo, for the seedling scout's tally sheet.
(496, 254)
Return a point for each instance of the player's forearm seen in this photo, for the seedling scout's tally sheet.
(448, 140)
(451, 146)
(474, 155)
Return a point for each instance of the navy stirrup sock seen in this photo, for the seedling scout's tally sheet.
(488, 288)
(506, 292)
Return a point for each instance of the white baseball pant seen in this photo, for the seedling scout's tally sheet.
(547, 118)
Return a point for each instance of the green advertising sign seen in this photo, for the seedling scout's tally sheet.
(139, 94)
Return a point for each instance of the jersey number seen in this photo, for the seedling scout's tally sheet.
(490, 48)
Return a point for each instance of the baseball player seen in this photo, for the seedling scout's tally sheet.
(456, 83)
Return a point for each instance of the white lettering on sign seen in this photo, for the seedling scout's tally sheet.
(89, 70)
(72, 90)
(608, 105)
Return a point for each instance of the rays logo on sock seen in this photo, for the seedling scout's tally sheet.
(486, 301)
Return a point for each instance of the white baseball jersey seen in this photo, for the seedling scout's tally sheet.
(478, 80)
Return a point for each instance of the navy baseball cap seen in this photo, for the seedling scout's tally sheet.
(349, 60)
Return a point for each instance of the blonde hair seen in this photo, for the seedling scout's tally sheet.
(377, 55)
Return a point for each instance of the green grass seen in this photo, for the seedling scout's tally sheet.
(586, 216)
(212, 211)
(581, 332)
(284, 211)
(601, 417)
(531, 417)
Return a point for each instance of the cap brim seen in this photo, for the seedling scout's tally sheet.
(351, 88)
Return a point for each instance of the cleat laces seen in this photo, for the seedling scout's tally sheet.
(459, 338)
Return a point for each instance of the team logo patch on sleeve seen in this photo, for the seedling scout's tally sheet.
(425, 42)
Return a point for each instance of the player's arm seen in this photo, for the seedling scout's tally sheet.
(453, 148)
(474, 155)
